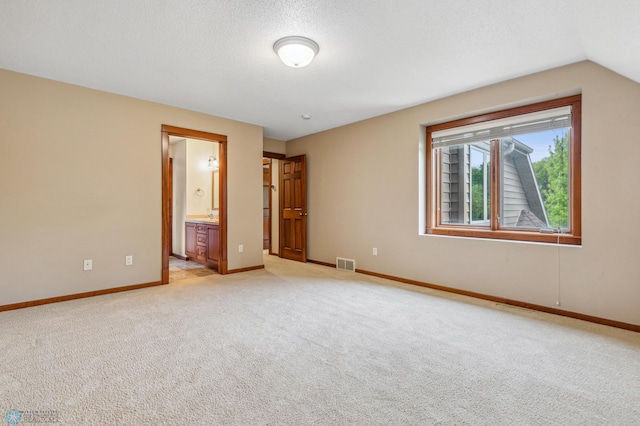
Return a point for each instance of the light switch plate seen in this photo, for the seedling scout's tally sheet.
(88, 264)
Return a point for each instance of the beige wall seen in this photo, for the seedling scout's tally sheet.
(364, 191)
(274, 145)
(80, 178)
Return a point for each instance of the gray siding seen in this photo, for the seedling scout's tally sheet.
(455, 171)
(445, 172)
(514, 197)
(466, 195)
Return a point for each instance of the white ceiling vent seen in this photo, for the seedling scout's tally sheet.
(346, 264)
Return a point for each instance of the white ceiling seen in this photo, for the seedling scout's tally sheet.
(376, 56)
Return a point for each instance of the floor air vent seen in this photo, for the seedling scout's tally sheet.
(346, 264)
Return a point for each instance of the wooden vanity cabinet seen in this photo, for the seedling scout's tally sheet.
(213, 244)
(202, 243)
(190, 240)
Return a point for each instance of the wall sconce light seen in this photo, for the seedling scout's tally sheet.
(295, 51)
(213, 163)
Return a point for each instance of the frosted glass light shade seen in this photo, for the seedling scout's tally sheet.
(213, 163)
(296, 52)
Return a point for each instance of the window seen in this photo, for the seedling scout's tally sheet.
(512, 174)
(480, 206)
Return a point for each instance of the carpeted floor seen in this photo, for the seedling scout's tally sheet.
(302, 344)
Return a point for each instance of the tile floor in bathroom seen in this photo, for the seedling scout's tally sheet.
(183, 269)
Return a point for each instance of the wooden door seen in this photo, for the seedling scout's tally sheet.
(293, 208)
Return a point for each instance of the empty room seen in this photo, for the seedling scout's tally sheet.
(319, 212)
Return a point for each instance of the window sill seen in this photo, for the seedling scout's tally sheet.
(526, 236)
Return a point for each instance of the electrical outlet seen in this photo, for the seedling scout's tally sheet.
(88, 265)
(375, 251)
(240, 248)
(128, 260)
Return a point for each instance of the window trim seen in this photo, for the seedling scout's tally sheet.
(486, 186)
(573, 236)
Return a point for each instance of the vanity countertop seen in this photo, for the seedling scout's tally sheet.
(204, 220)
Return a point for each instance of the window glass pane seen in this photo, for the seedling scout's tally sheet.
(535, 180)
(480, 205)
(464, 171)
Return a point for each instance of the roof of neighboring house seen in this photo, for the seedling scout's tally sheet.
(535, 216)
(526, 219)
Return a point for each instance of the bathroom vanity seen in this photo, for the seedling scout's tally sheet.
(202, 242)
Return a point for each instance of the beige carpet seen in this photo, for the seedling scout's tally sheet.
(300, 344)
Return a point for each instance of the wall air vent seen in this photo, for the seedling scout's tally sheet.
(346, 264)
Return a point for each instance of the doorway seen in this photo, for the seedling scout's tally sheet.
(167, 205)
(193, 166)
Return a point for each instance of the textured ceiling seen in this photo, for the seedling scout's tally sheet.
(376, 56)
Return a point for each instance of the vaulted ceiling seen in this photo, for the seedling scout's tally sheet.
(376, 56)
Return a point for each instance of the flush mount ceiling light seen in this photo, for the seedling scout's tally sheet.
(296, 52)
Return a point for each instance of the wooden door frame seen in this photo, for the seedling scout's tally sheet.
(268, 163)
(272, 156)
(167, 131)
(170, 210)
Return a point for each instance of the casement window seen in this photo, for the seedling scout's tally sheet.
(512, 174)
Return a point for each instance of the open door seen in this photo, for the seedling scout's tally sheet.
(293, 208)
